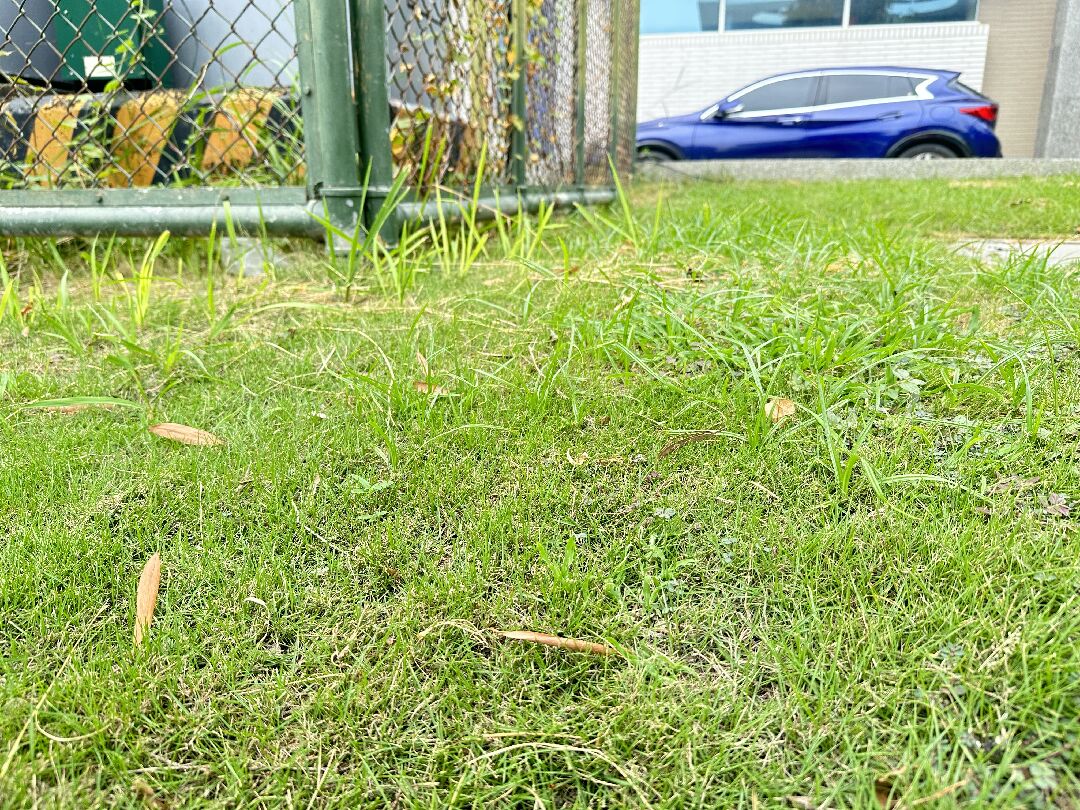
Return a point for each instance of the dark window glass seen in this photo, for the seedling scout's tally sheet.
(884, 12)
(846, 89)
(679, 16)
(743, 14)
(963, 88)
(901, 86)
(783, 95)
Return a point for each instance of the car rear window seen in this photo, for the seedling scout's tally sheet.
(848, 88)
(786, 94)
(959, 86)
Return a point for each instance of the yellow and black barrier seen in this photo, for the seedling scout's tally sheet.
(140, 139)
(134, 140)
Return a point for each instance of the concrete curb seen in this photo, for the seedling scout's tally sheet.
(810, 170)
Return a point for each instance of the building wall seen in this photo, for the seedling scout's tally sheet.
(1021, 37)
(1059, 130)
(680, 73)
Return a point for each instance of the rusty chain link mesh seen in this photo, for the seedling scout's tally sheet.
(123, 93)
(129, 93)
(550, 90)
(450, 71)
(599, 104)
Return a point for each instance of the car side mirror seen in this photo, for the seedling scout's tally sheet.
(718, 112)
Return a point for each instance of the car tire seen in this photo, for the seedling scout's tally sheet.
(649, 155)
(928, 151)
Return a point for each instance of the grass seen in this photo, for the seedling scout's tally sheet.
(872, 602)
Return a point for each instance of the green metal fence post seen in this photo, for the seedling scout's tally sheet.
(331, 141)
(582, 85)
(518, 138)
(373, 109)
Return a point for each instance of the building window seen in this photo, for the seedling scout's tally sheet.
(685, 16)
(679, 16)
(741, 15)
(884, 12)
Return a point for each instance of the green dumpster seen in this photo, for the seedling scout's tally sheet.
(105, 41)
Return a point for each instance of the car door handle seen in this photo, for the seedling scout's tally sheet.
(790, 120)
(889, 116)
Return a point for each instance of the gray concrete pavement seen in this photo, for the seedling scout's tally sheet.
(854, 169)
(1057, 254)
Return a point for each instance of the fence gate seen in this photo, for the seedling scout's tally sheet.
(137, 116)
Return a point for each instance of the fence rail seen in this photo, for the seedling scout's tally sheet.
(131, 116)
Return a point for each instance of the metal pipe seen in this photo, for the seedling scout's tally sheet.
(511, 204)
(290, 219)
(149, 220)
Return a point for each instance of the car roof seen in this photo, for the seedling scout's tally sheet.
(944, 74)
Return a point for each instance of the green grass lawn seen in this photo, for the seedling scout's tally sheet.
(872, 602)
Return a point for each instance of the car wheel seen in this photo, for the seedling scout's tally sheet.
(647, 155)
(928, 151)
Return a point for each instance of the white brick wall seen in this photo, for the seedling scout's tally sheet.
(680, 73)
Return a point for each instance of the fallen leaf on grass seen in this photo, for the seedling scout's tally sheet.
(432, 390)
(146, 596)
(1014, 483)
(779, 409)
(577, 461)
(185, 434)
(147, 795)
(1057, 506)
(883, 791)
(26, 310)
(422, 362)
(572, 644)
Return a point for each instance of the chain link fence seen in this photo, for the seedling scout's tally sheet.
(185, 99)
(133, 93)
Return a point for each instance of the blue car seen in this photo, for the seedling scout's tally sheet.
(873, 112)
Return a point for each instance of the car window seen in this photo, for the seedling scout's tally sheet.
(782, 95)
(849, 88)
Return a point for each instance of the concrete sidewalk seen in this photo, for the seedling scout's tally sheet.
(1057, 254)
(809, 170)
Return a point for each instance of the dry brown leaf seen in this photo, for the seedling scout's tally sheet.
(779, 409)
(1013, 483)
(572, 644)
(1057, 505)
(146, 597)
(883, 792)
(26, 310)
(147, 795)
(422, 362)
(578, 460)
(185, 434)
(432, 390)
